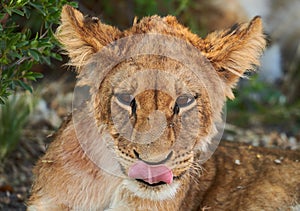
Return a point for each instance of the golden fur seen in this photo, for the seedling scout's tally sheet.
(66, 177)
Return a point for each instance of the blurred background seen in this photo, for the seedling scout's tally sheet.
(36, 90)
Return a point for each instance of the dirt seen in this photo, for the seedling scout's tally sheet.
(15, 171)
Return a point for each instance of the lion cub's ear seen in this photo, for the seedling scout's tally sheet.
(82, 36)
(234, 51)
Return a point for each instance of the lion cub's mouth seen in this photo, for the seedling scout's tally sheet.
(152, 175)
(152, 185)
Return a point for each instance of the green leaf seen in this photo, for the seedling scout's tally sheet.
(37, 75)
(56, 56)
(15, 54)
(38, 7)
(22, 44)
(32, 75)
(35, 54)
(8, 10)
(24, 85)
(73, 4)
(46, 59)
(45, 44)
(19, 12)
(26, 12)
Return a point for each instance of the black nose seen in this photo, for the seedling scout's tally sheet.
(153, 163)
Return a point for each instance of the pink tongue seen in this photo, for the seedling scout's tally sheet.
(151, 173)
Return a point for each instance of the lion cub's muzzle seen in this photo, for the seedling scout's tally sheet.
(151, 173)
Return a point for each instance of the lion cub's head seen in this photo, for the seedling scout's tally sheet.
(157, 93)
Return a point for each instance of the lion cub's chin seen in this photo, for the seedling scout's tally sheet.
(155, 193)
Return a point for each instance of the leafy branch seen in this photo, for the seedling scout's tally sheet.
(26, 38)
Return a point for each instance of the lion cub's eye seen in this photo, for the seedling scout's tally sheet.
(185, 100)
(128, 100)
(125, 98)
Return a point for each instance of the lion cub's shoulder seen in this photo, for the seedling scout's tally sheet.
(260, 178)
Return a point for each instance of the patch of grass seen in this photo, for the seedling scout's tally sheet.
(13, 117)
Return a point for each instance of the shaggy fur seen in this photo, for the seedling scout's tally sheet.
(68, 176)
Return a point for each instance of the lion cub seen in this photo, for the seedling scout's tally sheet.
(146, 113)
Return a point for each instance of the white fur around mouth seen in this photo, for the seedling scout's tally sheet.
(155, 193)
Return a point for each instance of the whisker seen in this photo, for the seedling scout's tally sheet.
(196, 170)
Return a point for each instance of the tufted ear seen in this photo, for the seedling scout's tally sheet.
(82, 36)
(234, 51)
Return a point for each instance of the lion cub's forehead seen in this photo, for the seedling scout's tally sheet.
(153, 73)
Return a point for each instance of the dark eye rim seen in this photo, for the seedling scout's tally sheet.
(121, 97)
(188, 96)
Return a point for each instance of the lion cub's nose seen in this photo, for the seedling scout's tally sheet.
(153, 161)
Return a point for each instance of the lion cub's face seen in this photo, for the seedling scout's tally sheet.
(158, 111)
